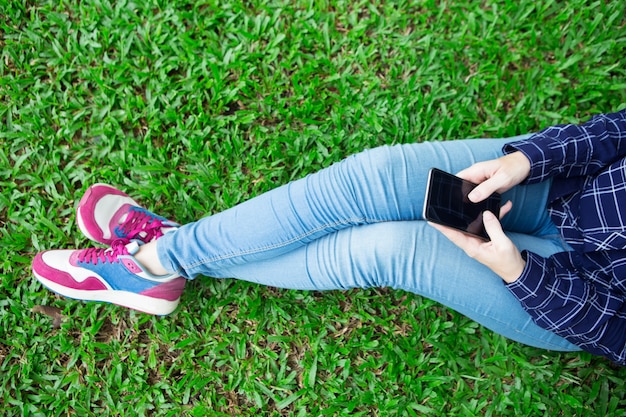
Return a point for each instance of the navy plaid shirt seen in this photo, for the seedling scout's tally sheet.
(581, 295)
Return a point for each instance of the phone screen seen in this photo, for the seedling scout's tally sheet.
(447, 204)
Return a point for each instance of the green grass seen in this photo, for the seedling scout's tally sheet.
(194, 106)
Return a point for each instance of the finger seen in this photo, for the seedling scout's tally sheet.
(462, 240)
(493, 227)
(452, 234)
(484, 189)
(476, 173)
(505, 209)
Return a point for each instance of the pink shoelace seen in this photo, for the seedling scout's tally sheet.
(105, 255)
(142, 225)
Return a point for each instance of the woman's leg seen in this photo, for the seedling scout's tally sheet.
(378, 185)
(357, 225)
(412, 256)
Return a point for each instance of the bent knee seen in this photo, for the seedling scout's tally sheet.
(383, 251)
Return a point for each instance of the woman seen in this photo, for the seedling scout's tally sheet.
(552, 276)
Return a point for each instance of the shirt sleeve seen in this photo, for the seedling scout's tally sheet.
(560, 300)
(574, 150)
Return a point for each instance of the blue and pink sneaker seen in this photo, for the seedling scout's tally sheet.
(105, 214)
(113, 275)
(108, 274)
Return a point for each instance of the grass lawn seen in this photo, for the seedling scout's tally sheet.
(194, 106)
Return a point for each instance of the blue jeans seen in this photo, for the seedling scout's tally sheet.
(358, 224)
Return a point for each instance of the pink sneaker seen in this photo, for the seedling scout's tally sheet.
(105, 214)
(111, 275)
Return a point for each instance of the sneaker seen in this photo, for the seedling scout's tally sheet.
(105, 214)
(112, 275)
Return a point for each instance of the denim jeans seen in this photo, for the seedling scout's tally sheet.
(359, 224)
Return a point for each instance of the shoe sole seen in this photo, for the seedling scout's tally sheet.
(149, 305)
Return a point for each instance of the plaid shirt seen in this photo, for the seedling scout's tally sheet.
(581, 295)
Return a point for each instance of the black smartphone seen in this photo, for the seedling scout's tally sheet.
(447, 204)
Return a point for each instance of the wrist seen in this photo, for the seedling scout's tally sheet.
(522, 164)
(516, 271)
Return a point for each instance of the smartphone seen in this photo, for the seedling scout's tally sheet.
(447, 204)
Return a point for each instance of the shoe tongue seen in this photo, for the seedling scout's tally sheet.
(140, 224)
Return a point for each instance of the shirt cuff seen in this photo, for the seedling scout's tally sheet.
(529, 288)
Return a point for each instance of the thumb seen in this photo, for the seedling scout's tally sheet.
(493, 227)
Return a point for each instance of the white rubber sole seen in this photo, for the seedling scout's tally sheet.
(149, 305)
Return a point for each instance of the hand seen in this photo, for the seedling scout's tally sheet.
(498, 175)
(500, 254)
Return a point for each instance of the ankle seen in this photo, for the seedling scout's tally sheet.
(148, 257)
